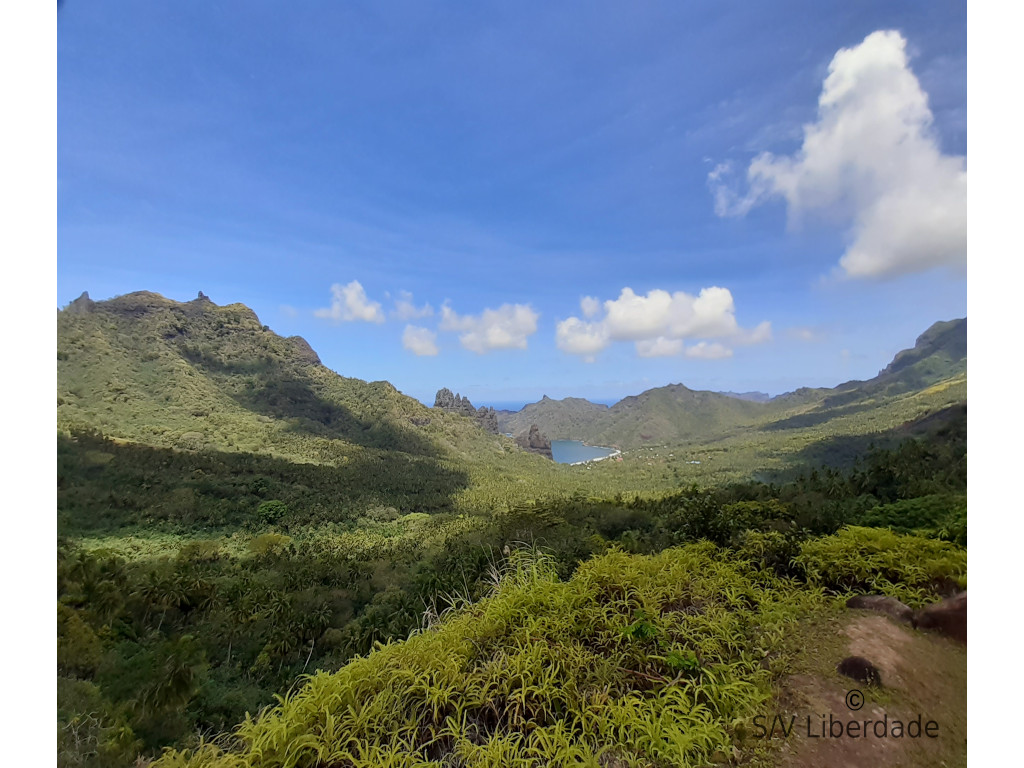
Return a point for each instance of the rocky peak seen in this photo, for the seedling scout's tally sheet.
(535, 442)
(451, 402)
(82, 305)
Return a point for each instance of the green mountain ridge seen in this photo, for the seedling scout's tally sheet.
(675, 414)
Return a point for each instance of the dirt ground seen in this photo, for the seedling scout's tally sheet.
(921, 674)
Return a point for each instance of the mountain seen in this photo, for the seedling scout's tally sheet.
(195, 375)
(676, 414)
(673, 414)
(566, 419)
(754, 397)
(939, 354)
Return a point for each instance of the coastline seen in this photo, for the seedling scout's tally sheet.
(614, 452)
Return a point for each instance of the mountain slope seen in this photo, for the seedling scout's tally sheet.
(566, 419)
(197, 376)
(939, 353)
(675, 414)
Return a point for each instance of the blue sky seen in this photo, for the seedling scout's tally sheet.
(502, 162)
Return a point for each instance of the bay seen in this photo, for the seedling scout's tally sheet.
(574, 451)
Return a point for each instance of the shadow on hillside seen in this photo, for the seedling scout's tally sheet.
(286, 395)
(106, 487)
(804, 420)
(948, 424)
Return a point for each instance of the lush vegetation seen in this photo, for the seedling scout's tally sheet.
(233, 517)
(635, 660)
(158, 644)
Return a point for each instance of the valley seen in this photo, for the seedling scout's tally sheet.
(243, 530)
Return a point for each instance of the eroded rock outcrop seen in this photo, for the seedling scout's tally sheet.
(451, 402)
(535, 442)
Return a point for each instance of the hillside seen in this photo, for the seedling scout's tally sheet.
(939, 353)
(566, 419)
(660, 660)
(672, 415)
(233, 516)
(677, 415)
(197, 375)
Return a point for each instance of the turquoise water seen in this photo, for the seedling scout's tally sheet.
(571, 451)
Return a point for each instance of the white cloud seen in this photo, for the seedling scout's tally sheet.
(872, 163)
(658, 322)
(579, 338)
(405, 309)
(757, 335)
(506, 327)
(803, 333)
(590, 306)
(706, 351)
(419, 341)
(350, 303)
(659, 347)
(288, 311)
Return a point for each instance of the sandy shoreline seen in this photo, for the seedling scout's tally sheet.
(616, 452)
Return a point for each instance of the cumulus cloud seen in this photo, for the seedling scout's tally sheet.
(708, 351)
(872, 163)
(590, 306)
(506, 327)
(658, 322)
(350, 304)
(580, 338)
(659, 347)
(758, 335)
(405, 309)
(419, 341)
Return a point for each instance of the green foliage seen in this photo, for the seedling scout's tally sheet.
(179, 613)
(90, 731)
(272, 511)
(880, 561)
(541, 671)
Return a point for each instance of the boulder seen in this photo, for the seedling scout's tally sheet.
(860, 669)
(883, 604)
(947, 617)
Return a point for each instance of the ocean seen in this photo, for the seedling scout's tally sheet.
(572, 451)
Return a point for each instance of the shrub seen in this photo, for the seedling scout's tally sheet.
(877, 560)
(272, 511)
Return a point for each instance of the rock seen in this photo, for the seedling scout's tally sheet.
(948, 617)
(303, 352)
(883, 604)
(486, 418)
(860, 669)
(444, 399)
(81, 306)
(535, 442)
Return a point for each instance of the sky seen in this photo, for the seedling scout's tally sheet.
(519, 199)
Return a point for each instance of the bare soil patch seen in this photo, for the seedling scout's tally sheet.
(922, 675)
